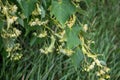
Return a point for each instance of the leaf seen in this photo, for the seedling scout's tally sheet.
(1, 25)
(20, 21)
(62, 10)
(1, 42)
(32, 41)
(27, 6)
(77, 57)
(72, 37)
(42, 12)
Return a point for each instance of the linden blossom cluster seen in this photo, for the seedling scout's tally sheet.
(103, 70)
(50, 48)
(37, 10)
(9, 11)
(10, 33)
(12, 51)
(37, 22)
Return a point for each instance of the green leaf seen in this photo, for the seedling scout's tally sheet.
(62, 10)
(1, 42)
(27, 6)
(72, 37)
(77, 57)
(42, 12)
(1, 25)
(20, 21)
(32, 41)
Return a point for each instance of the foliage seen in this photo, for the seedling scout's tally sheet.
(59, 39)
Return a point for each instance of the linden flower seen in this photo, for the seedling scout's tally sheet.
(5, 10)
(17, 32)
(91, 66)
(16, 56)
(32, 23)
(107, 76)
(102, 72)
(37, 11)
(9, 49)
(97, 62)
(85, 27)
(14, 9)
(62, 40)
(101, 79)
(68, 52)
(42, 50)
(71, 22)
(44, 34)
(44, 22)
(98, 74)
(106, 69)
(51, 46)
(61, 35)
(12, 20)
(16, 47)
(36, 22)
(46, 50)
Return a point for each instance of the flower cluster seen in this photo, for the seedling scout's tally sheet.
(10, 33)
(37, 22)
(102, 69)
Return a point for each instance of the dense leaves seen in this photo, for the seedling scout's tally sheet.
(59, 40)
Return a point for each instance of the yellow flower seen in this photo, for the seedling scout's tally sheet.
(50, 48)
(16, 56)
(102, 72)
(98, 74)
(97, 62)
(71, 22)
(14, 9)
(106, 69)
(107, 76)
(101, 79)
(44, 34)
(11, 20)
(5, 10)
(17, 32)
(85, 27)
(91, 66)
(67, 52)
